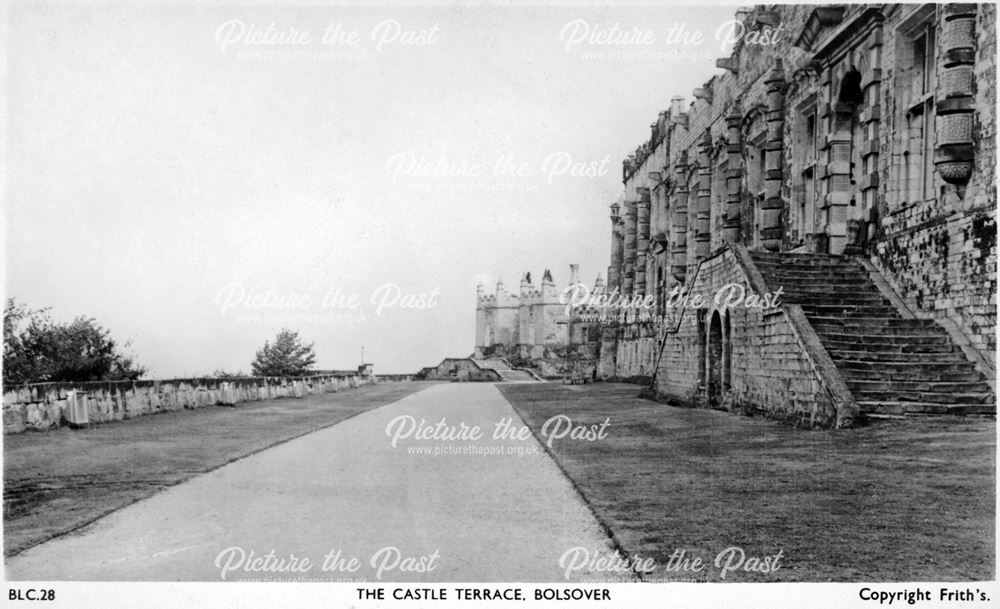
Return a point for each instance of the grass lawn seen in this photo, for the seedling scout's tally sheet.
(902, 500)
(57, 481)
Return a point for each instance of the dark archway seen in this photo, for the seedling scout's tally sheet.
(715, 375)
(727, 355)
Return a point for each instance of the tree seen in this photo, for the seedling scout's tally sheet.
(37, 350)
(225, 374)
(288, 356)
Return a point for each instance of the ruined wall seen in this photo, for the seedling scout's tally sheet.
(44, 406)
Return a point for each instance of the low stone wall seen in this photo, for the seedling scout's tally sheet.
(44, 406)
(395, 378)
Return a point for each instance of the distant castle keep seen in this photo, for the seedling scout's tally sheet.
(532, 327)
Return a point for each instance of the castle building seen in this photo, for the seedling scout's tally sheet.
(844, 159)
(534, 328)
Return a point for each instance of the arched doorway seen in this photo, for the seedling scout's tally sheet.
(715, 364)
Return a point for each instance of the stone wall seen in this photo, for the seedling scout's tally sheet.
(779, 153)
(776, 362)
(43, 406)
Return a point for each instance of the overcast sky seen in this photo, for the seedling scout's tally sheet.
(175, 170)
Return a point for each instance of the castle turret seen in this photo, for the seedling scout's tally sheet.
(526, 283)
(617, 246)
(482, 336)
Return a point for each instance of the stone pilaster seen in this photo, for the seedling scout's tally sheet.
(836, 170)
(631, 233)
(642, 238)
(702, 235)
(870, 120)
(734, 175)
(679, 217)
(772, 226)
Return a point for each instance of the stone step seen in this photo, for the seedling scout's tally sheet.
(889, 352)
(937, 353)
(794, 272)
(924, 408)
(878, 332)
(515, 375)
(806, 265)
(836, 310)
(831, 280)
(804, 260)
(972, 397)
(869, 386)
(820, 297)
(861, 321)
(865, 340)
(909, 367)
(878, 372)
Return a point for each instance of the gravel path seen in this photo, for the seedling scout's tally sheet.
(346, 493)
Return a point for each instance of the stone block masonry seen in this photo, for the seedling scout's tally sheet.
(862, 135)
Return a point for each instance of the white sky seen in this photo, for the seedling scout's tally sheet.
(149, 169)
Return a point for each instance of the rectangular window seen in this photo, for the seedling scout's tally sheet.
(755, 183)
(806, 154)
(918, 76)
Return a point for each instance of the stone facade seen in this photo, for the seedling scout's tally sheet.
(865, 131)
(532, 328)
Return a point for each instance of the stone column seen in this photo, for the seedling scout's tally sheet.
(772, 226)
(680, 224)
(836, 171)
(702, 236)
(954, 149)
(870, 118)
(734, 175)
(642, 239)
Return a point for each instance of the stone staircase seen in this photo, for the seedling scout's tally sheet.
(893, 365)
(504, 369)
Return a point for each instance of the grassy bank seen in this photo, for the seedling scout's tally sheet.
(906, 500)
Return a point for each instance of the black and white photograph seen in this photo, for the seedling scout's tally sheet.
(474, 303)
